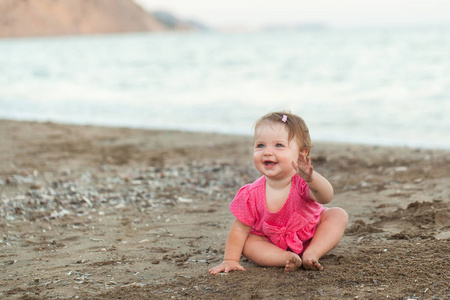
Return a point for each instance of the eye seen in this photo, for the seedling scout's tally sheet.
(259, 146)
(279, 145)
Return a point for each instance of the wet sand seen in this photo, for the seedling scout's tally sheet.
(96, 212)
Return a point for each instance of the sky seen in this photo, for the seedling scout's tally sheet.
(259, 13)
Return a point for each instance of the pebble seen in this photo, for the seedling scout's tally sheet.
(55, 195)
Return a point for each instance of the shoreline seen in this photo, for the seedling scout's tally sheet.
(333, 141)
(105, 212)
(110, 145)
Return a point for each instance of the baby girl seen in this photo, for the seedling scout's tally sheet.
(279, 218)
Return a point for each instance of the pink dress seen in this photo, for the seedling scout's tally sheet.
(292, 227)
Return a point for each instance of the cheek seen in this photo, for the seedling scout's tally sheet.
(257, 159)
(294, 156)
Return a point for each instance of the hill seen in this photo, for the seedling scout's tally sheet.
(21, 18)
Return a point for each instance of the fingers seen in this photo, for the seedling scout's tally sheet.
(217, 270)
(303, 167)
(226, 269)
(294, 165)
(302, 162)
(305, 158)
(240, 268)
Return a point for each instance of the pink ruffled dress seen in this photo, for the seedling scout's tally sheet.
(290, 228)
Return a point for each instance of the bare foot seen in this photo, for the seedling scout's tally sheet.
(293, 263)
(312, 264)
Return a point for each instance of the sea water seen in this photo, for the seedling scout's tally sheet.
(372, 86)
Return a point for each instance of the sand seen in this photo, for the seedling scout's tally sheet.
(94, 212)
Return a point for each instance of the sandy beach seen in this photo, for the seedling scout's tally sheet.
(95, 212)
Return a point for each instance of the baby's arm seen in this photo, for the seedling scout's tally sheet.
(233, 248)
(319, 187)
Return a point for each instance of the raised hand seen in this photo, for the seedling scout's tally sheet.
(303, 167)
(227, 266)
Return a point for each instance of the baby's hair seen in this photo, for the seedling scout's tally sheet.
(295, 125)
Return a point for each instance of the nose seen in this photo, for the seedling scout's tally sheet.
(267, 151)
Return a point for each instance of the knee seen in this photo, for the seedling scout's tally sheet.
(339, 215)
(343, 215)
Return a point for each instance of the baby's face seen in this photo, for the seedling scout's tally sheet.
(273, 152)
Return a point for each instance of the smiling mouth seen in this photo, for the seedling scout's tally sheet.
(269, 163)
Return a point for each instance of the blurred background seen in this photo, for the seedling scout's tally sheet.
(370, 72)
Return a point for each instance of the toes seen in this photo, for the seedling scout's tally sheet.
(292, 264)
(317, 265)
(313, 264)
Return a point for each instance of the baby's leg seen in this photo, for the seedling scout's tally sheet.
(266, 254)
(328, 234)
